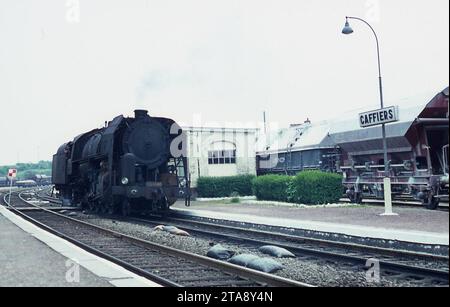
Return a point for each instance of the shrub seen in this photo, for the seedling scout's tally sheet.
(317, 188)
(235, 198)
(225, 186)
(272, 187)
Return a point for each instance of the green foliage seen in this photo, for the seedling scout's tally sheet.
(315, 187)
(272, 187)
(28, 170)
(225, 186)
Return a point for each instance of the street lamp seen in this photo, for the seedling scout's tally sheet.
(348, 30)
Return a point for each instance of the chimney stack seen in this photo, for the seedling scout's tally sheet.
(140, 113)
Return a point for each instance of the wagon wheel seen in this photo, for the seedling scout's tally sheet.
(431, 202)
(356, 198)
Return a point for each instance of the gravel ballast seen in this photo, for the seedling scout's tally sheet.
(307, 270)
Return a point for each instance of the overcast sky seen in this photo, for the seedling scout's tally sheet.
(67, 66)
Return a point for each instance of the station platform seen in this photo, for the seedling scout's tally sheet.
(412, 225)
(32, 257)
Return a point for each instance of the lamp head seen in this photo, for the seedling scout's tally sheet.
(347, 29)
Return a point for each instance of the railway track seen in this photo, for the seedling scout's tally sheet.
(165, 265)
(426, 269)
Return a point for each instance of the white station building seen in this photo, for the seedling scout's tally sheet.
(217, 152)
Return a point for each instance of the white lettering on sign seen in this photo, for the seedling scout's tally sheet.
(378, 117)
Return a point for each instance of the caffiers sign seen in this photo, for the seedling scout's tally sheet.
(378, 117)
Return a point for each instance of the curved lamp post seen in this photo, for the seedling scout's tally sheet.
(347, 30)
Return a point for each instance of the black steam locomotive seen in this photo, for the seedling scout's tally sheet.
(131, 165)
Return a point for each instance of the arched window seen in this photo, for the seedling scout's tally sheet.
(222, 152)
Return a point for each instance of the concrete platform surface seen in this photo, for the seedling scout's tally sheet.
(414, 225)
(31, 257)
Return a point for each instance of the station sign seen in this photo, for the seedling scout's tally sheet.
(379, 117)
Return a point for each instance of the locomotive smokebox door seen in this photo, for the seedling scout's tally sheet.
(148, 140)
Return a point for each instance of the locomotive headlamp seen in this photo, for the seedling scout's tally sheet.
(124, 180)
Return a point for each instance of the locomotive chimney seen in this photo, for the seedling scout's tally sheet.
(140, 113)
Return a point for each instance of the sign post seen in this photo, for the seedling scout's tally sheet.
(12, 173)
(382, 117)
(388, 198)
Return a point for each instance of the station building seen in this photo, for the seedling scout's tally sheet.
(217, 152)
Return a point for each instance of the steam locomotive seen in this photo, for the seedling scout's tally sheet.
(131, 165)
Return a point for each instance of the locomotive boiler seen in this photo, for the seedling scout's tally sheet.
(130, 165)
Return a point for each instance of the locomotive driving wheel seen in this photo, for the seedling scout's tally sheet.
(165, 208)
(111, 210)
(92, 207)
(125, 207)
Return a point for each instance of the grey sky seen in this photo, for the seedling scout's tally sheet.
(62, 74)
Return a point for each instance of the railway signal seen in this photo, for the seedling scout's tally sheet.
(12, 173)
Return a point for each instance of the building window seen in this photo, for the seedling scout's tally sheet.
(222, 157)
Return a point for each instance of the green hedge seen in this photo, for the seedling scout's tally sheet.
(225, 186)
(272, 187)
(315, 187)
(311, 187)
